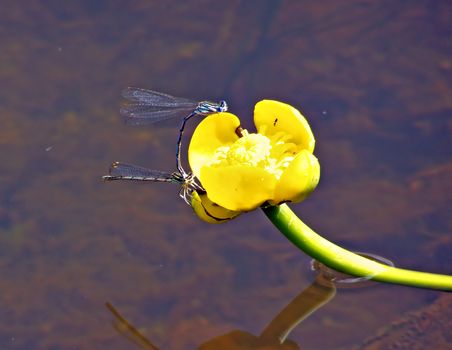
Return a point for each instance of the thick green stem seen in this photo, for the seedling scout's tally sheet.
(345, 261)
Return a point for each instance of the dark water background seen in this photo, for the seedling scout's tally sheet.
(372, 77)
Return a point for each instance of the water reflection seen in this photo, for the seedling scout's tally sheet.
(274, 335)
(342, 280)
(126, 329)
(424, 328)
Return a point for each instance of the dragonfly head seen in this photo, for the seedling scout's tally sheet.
(222, 106)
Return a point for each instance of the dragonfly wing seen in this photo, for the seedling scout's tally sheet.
(123, 171)
(154, 98)
(141, 114)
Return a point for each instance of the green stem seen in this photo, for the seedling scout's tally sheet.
(345, 261)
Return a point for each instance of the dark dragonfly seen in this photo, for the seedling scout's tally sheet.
(152, 106)
(129, 172)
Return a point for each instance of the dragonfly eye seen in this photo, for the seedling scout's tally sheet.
(223, 106)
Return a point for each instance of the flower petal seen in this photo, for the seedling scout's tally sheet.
(214, 131)
(298, 180)
(210, 211)
(272, 117)
(237, 187)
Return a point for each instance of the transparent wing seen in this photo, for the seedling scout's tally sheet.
(123, 171)
(154, 98)
(141, 114)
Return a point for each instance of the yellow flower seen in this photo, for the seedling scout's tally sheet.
(274, 165)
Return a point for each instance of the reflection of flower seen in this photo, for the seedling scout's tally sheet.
(274, 165)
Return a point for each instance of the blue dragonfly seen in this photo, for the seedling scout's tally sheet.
(150, 106)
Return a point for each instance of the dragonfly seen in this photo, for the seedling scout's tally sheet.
(150, 106)
(129, 172)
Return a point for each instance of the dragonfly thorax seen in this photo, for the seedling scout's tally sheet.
(206, 107)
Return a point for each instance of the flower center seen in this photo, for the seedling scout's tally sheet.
(272, 154)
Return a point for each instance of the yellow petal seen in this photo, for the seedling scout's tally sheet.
(238, 187)
(271, 117)
(298, 180)
(210, 211)
(214, 131)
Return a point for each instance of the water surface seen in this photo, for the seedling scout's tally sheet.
(373, 78)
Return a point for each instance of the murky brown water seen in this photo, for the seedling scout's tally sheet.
(373, 78)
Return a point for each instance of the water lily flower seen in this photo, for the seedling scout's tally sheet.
(241, 171)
